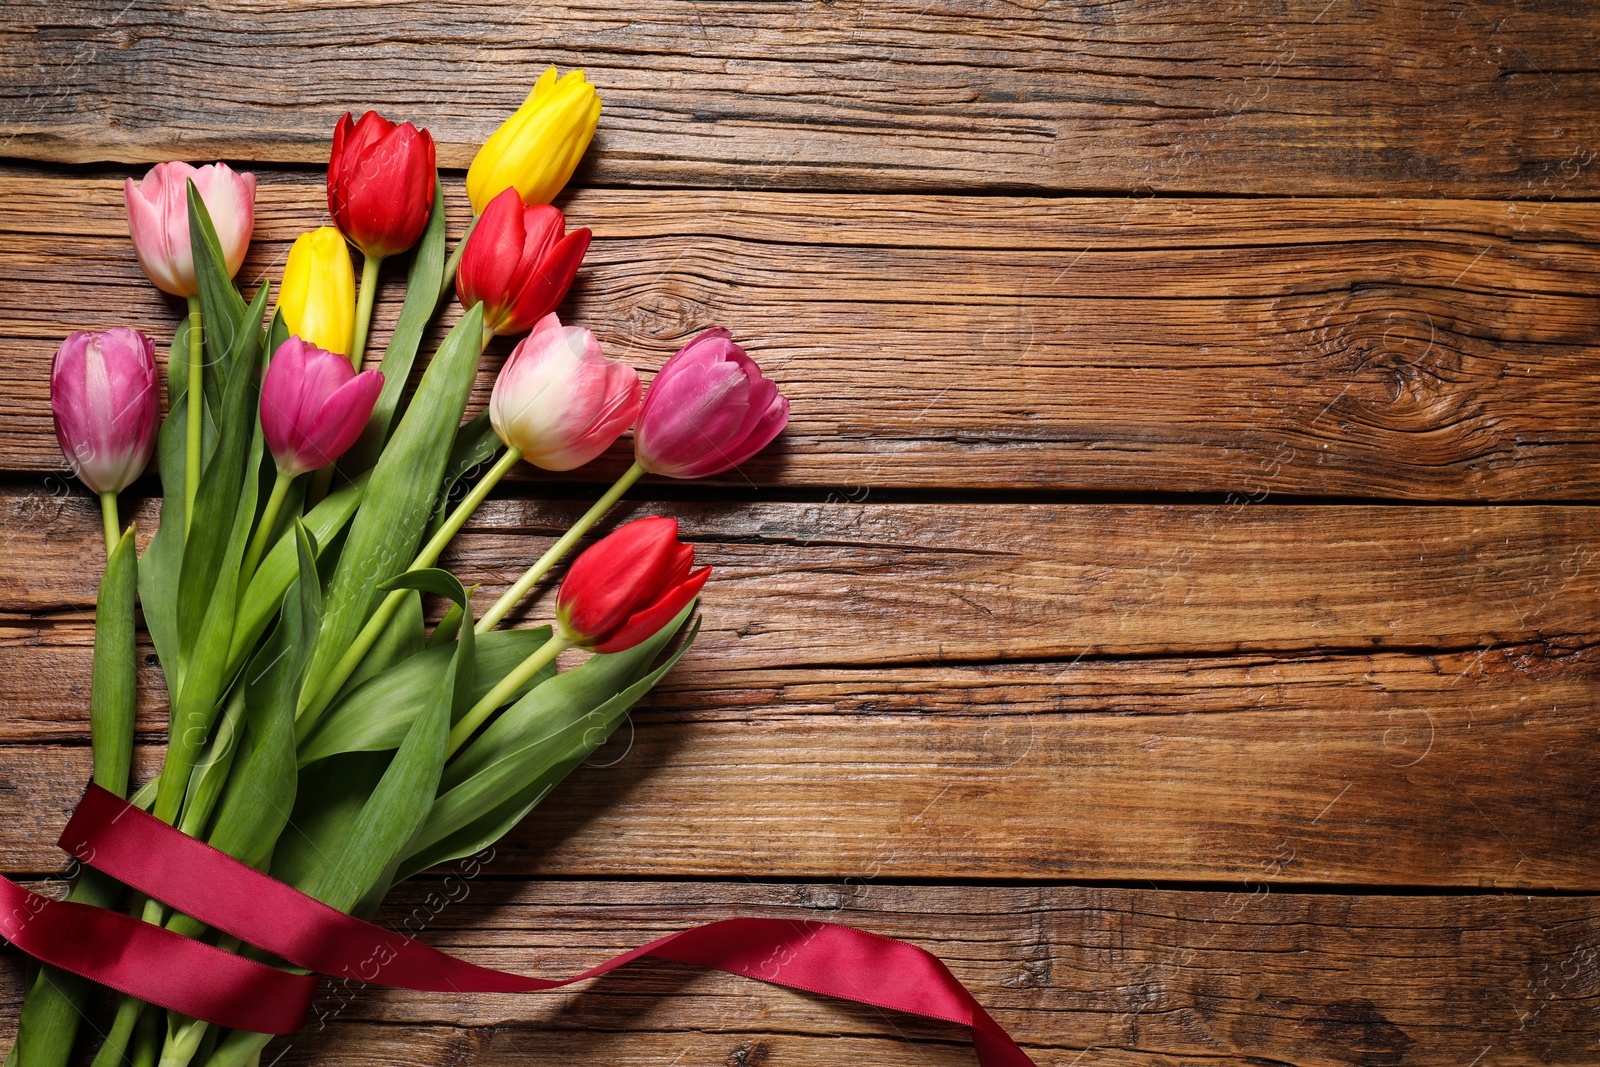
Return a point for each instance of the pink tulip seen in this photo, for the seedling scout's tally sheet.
(708, 410)
(559, 400)
(158, 219)
(313, 405)
(103, 394)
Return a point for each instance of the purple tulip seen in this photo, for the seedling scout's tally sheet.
(103, 395)
(313, 405)
(708, 410)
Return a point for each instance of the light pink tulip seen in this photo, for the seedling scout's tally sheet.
(103, 395)
(313, 405)
(158, 219)
(559, 400)
(708, 410)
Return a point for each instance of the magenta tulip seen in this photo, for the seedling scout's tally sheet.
(559, 401)
(313, 406)
(103, 395)
(708, 410)
(158, 219)
(627, 586)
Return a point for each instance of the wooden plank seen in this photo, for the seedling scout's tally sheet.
(1408, 98)
(874, 584)
(1143, 978)
(1410, 349)
(1466, 768)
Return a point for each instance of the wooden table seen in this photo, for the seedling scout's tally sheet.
(1174, 602)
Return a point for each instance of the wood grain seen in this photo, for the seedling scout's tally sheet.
(1463, 769)
(1408, 98)
(876, 584)
(1141, 978)
(1353, 348)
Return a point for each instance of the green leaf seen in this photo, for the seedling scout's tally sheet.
(218, 497)
(475, 444)
(277, 570)
(163, 557)
(422, 302)
(402, 638)
(328, 797)
(378, 836)
(277, 333)
(208, 581)
(531, 746)
(211, 771)
(394, 511)
(442, 583)
(445, 630)
(260, 797)
(113, 692)
(376, 716)
(221, 306)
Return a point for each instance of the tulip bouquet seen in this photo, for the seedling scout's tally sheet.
(322, 729)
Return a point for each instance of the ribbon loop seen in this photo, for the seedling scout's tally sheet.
(175, 972)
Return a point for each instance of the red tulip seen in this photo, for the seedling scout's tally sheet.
(518, 263)
(708, 411)
(627, 586)
(380, 183)
(313, 405)
(103, 396)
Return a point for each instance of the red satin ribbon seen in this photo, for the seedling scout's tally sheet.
(207, 983)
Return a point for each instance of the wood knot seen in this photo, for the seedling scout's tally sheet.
(749, 1054)
(1392, 366)
(663, 317)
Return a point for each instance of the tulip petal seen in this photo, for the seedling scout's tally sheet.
(343, 416)
(603, 586)
(647, 620)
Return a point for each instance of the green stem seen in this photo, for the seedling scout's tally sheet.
(183, 1040)
(552, 556)
(369, 290)
(453, 264)
(108, 512)
(480, 711)
(114, 1050)
(238, 1049)
(269, 519)
(196, 387)
(316, 705)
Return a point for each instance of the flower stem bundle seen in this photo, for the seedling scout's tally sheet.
(307, 502)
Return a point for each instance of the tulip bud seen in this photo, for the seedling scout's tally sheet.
(158, 220)
(627, 586)
(103, 395)
(518, 263)
(559, 401)
(318, 294)
(708, 410)
(380, 183)
(313, 406)
(536, 150)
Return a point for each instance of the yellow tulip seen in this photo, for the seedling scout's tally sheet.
(538, 147)
(318, 295)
